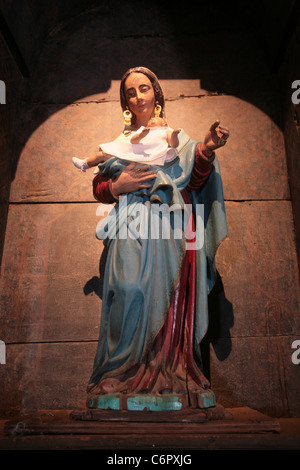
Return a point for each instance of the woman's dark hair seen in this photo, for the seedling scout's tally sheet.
(158, 93)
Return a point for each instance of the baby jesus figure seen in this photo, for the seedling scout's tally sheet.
(154, 144)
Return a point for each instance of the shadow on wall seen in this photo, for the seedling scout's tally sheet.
(220, 321)
(86, 52)
(95, 284)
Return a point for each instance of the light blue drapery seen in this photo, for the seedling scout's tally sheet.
(142, 272)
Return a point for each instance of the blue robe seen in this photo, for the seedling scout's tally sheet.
(142, 272)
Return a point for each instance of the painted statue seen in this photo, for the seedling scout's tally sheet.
(155, 292)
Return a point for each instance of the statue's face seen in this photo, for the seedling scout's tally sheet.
(140, 95)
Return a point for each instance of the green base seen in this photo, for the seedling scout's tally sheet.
(172, 402)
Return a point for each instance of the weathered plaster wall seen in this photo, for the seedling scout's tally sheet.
(64, 101)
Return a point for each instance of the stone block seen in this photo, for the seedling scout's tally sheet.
(257, 264)
(258, 372)
(50, 284)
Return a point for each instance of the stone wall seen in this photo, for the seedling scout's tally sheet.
(210, 66)
(290, 72)
(12, 78)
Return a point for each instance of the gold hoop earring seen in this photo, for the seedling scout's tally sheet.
(157, 110)
(127, 117)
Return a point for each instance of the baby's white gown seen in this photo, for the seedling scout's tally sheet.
(152, 149)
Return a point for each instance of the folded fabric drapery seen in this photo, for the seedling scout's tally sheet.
(155, 292)
(153, 148)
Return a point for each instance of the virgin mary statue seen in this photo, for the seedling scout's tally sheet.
(156, 281)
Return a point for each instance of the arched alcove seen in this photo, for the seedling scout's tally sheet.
(67, 103)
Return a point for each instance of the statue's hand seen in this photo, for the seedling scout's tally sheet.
(133, 178)
(215, 138)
